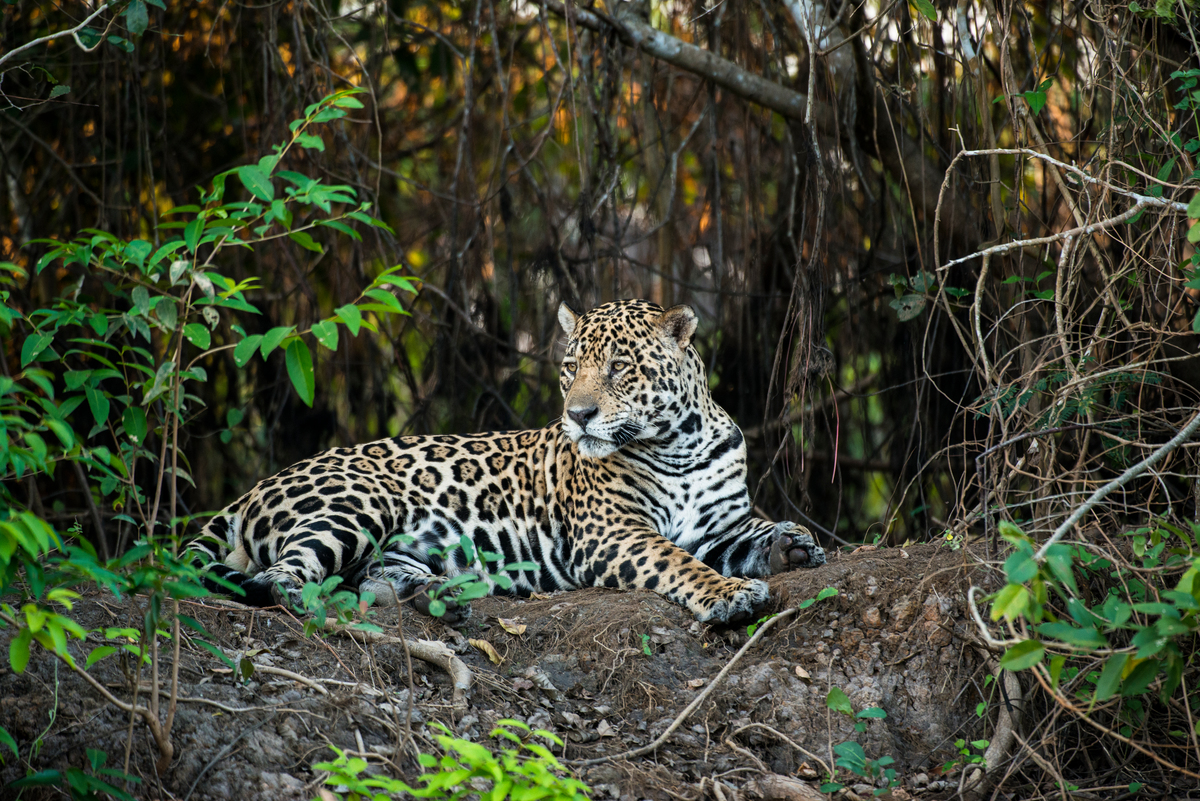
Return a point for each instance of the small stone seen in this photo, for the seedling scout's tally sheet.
(920, 780)
(872, 618)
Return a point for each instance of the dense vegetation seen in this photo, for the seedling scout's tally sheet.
(982, 212)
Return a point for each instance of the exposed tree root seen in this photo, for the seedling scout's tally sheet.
(432, 651)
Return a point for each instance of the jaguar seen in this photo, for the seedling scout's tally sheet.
(640, 483)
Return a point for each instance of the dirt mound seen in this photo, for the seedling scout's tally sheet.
(607, 671)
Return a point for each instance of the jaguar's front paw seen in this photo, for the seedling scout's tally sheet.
(744, 605)
(794, 547)
(456, 614)
(287, 593)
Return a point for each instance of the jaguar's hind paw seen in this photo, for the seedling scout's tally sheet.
(456, 614)
(794, 547)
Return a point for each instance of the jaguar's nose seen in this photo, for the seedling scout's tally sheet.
(582, 416)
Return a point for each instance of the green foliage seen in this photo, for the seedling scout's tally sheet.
(1112, 390)
(965, 756)
(485, 570)
(850, 755)
(525, 772)
(81, 784)
(1134, 638)
(911, 293)
(107, 381)
(1037, 98)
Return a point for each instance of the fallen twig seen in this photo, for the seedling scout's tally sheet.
(287, 674)
(694, 705)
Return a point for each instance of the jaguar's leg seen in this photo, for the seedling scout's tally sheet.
(643, 558)
(757, 548)
(312, 552)
(406, 577)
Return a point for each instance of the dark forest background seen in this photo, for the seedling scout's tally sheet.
(527, 153)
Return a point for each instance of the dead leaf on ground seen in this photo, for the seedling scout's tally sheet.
(694, 683)
(605, 729)
(802, 674)
(488, 650)
(511, 626)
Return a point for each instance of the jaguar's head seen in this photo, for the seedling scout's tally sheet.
(629, 373)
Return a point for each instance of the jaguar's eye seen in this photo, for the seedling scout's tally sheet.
(570, 367)
(618, 366)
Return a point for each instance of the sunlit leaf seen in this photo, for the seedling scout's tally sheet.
(1023, 655)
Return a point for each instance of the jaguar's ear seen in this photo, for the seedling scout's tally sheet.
(679, 322)
(567, 318)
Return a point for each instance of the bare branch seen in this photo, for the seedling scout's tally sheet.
(52, 36)
(1133, 472)
(698, 60)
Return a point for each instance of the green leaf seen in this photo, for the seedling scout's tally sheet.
(1164, 172)
(838, 701)
(257, 181)
(137, 18)
(272, 338)
(99, 653)
(198, 335)
(33, 346)
(908, 307)
(7, 739)
(1193, 209)
(872, 712)
(851, 756)
(59, 91)
(192, 233)
(1110, 677)
(305, 241)
(98, 403)
(300, 370)
(352, 317)
(1086, 637)
(134, 420)
(1139, 679)
(400, 281)
(1011, 533)
(1010, 602)
(1020, 567)
(1023, 655)
(141, 299)
(245, 349)
(387, 299)
(311, 142)
(18, 651)
(1058, 559)
(926, 8)
(326, 333)
(61, 430)
(437, 607)
(828, 592)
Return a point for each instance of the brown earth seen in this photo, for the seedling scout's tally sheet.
(896, 636)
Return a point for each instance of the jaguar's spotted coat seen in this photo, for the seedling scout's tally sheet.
(641, 484)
